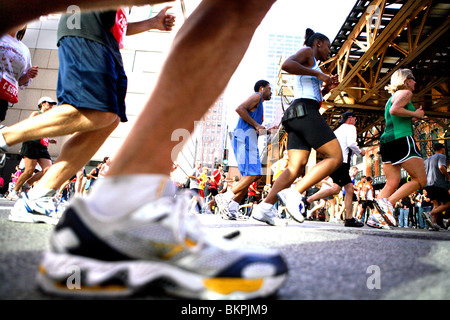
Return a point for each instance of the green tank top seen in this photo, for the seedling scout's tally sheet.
(396, 127)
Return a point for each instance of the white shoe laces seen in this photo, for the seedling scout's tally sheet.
(182, 222)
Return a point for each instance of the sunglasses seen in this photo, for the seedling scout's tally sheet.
(411, 77)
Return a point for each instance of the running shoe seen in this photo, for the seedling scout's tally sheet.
(386, 210)
(429, 220)
(160, 245)
(42, 210)
(376, 220)
(3, 152)
(233, 210)
(13, 195)
(293, 202)
(353, 223)
(268, 216)
(222, 204)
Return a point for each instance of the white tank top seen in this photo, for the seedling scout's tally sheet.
(308, 87)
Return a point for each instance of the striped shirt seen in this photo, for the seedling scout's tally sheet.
(308, 87)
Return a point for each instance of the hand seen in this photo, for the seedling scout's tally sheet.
(334, 82)
(273, 129)
(32, 72)
(363, 152)
(165, 21)
(260, 129)
(325, 78)
(419, 113)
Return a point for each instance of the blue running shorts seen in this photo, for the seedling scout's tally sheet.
(245, 146)
(89, 77)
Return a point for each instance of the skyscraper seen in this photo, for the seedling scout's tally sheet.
(280, 46)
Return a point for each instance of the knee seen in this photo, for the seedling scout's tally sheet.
(422, 182)
(393, 182)
(107, 119)
(298, 170)
(336, 189)
(95, 119)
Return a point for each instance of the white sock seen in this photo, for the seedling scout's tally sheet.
(114, 196)
(229, 195)
(265, 205)
(37, 193)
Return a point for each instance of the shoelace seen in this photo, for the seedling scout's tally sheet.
(181, 220)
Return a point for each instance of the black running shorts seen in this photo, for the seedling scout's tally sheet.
(310, 131)
(399, 150)
(341, 176)
(34, 150)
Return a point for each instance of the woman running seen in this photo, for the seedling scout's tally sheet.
(398, 148)
(306, 129)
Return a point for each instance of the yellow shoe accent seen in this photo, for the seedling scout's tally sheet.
(229, 285)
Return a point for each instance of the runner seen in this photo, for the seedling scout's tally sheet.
(306, 128)
(398, 148)
(147, 234)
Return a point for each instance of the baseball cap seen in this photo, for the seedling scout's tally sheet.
(345, 116)
(46, 99)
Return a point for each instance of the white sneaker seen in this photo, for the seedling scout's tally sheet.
(222, 204)
(376, 220)
(13, 195)
(158, 244)
(293, 202)
(268, 216)
(3, 152)
(429, 220)
(387, 211)
(35, 211)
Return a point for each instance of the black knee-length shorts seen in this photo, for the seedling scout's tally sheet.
(309, 131)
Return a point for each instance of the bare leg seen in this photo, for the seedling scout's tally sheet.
(297, 162)
(59, 121)
(241, 188)
(30, 165)
(76, 152)
(416, 170)
(296, 167)
(203, 60)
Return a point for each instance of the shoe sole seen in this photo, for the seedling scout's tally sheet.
(27, 217)
(294, 216)
(379, 226)
(428, 222)
(63, 274)
(384, 215)
(269, 222)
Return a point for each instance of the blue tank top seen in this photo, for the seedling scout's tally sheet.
(308, 87)
(257, 115)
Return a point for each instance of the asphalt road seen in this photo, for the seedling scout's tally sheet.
(326, 261)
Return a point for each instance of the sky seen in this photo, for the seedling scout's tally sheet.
(289, 17)
(285, 17)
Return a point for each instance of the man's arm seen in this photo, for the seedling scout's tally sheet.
(246, 107)
(19, 12)
(443, 170)
(162, 21)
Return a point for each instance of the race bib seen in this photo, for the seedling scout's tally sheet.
(44, 142)
(9, 88)
(120, 26)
